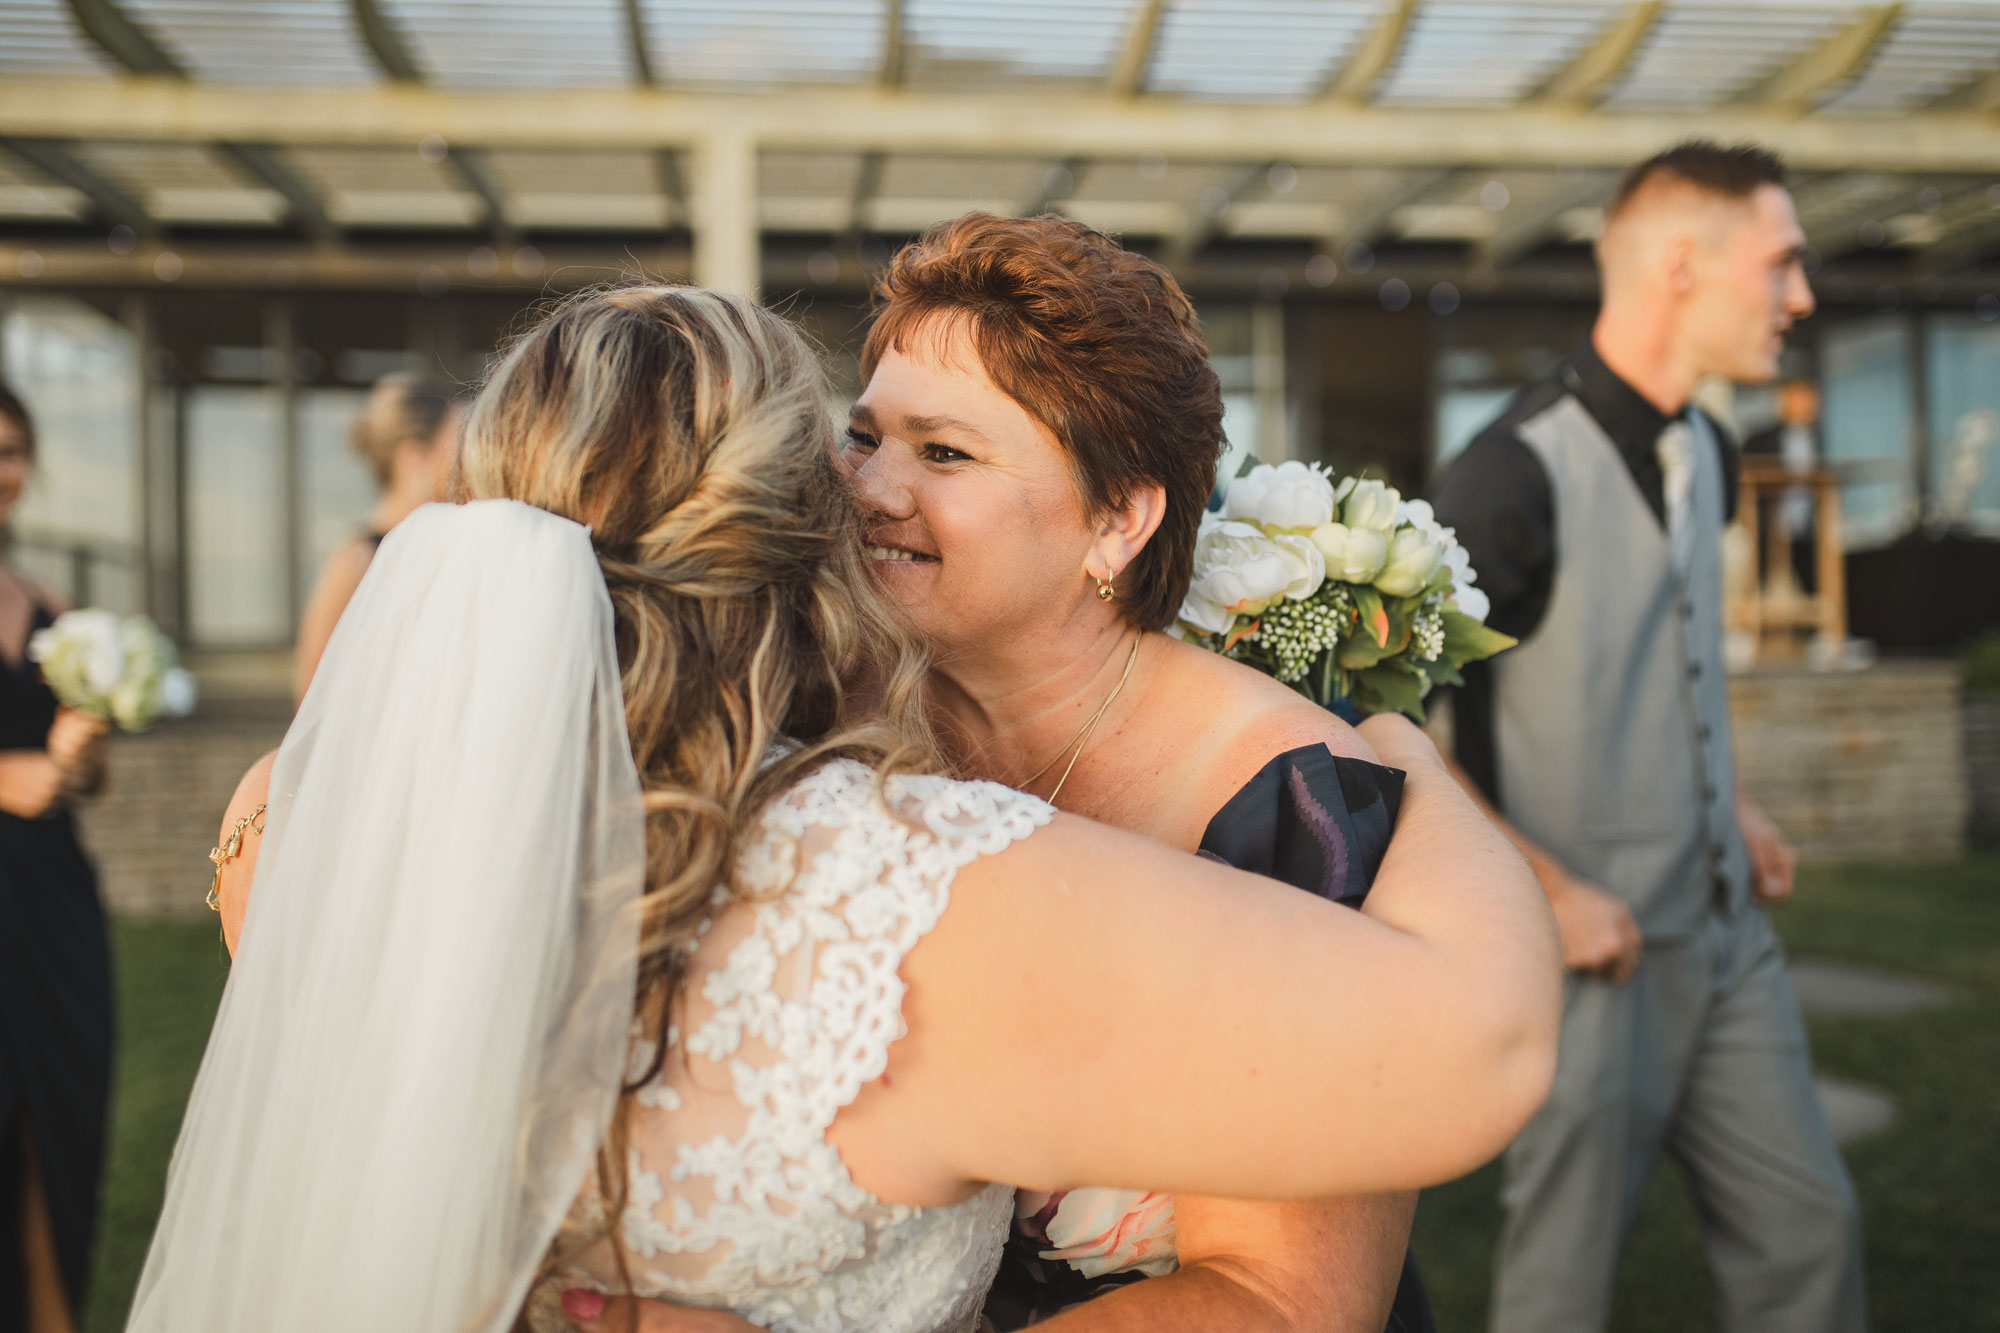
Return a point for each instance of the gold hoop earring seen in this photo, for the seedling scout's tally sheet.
(1105, 590)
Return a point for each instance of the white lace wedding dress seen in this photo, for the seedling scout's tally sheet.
(735, 1197)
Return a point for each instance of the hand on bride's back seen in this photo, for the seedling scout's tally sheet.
(1397, 741)
(592, 1313)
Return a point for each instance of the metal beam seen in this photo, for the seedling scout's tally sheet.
(119, 36)
(855, 120)
(307, 213)
(104, 23)
(1047, 197)
(867, 184)
(1365, 223)
(469, 164)
(1586, 79)
(1830, 66)
(1522, 229)
(111, 203)
(391, 52)
(636, 49)
(1981, 94)
(1963, 248)
(889, 70)
(1374, 57)
(1867, 199)
(1135, 56)
(1201, 224)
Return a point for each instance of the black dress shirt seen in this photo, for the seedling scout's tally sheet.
(1497, 495)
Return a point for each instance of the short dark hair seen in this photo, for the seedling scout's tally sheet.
(16, 411)
(1101, 346)
(1734, 173)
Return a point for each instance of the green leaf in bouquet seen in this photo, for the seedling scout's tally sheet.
(1374, 616)
(1469, 640)
(1389, 688)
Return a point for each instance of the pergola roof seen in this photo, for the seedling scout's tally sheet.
(1483, 134)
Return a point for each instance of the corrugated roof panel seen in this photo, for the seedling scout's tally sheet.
(1258, 50)
(516, 43)
(1931, 53)
(763, 43)
(956, 40)
(39, 38)
(1474, 52)
(1704, 54)
(259, 42)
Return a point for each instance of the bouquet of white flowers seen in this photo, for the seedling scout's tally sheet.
(125, 671)
(1340, 589)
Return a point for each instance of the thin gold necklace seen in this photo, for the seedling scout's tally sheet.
(1082, 737)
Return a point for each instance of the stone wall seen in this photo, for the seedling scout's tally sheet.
(1858, 765)
(151, 829)
(1982, 763)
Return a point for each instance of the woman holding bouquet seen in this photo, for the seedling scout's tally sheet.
(1038, 439)
(55, 963)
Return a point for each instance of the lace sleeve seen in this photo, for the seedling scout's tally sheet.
(793, 999)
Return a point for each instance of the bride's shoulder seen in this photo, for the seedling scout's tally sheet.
(867, 820)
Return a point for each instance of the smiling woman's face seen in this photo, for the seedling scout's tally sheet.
(980, 532)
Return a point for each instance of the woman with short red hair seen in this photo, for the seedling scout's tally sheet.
(1038, 438)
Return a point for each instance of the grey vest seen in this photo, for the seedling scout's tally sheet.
(1611, 721)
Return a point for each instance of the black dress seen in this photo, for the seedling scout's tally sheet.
(55, 1014)
(1320, 823)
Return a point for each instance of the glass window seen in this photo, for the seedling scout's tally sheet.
(236, 519)
(1865, 374)
(338, 486)
(1963, 410)
(77, 530)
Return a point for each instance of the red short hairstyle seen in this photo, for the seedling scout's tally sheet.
(1098, 344)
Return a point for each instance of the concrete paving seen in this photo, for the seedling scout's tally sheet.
(1854, 1110)
(1843, 990)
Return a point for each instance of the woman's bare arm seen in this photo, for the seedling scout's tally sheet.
(234, 892)
(1207, 1025)
(1329, 1266)
(338, 579)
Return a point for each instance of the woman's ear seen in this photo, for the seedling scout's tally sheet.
(1124, 531)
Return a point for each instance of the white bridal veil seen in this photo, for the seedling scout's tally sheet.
(422, 1037)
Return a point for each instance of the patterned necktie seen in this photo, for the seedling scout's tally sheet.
(1675, 448)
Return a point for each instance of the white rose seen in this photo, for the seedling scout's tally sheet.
(1308, 565)
(1241, 571)
(177, 692)
(1472, 602)
(1371, 504)
(1291, 497)
(1413, 558)
(1352, 555)
(1417, 513)
(103, 657)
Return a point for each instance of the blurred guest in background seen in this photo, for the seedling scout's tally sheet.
(1793, 441)
(55, 961)
(1593, 510)
(408, 432)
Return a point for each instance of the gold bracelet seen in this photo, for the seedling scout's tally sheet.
(228, 852)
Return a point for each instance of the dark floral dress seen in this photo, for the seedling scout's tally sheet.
(1316, 821)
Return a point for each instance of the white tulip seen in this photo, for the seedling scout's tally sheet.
(1290, 497)
(1371, 504)
(1413, 558)
(1352, 555)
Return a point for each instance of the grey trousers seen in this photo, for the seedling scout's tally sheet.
(1702, 1055)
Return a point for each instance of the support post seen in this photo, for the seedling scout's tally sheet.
(281, 361)
(1267, 380)
(726, 250)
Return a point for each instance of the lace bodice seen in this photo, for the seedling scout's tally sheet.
(735, 1197)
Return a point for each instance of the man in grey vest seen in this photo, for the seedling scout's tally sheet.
(1593, 510)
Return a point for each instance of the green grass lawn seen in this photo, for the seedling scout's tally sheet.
(1926, 1187)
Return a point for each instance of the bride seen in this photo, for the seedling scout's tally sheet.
(604, 934)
